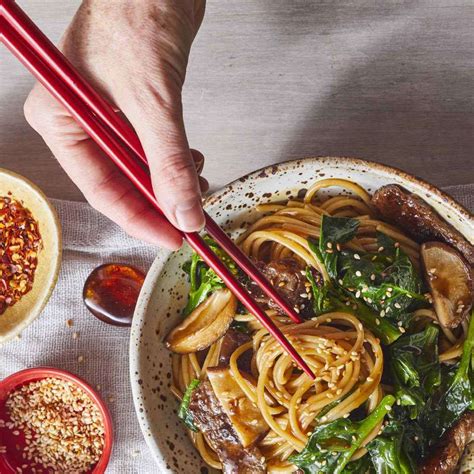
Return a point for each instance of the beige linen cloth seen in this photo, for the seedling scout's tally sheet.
(90, 240)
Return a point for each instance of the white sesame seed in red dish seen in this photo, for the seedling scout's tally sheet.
(51, 421)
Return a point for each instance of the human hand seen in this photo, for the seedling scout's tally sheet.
(135, 53)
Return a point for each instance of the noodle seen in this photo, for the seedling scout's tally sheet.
(346, 358)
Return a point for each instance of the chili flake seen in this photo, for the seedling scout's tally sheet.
(20, 242)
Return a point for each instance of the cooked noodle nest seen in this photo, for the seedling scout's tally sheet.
(347, 361)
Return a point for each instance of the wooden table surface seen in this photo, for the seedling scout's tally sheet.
(270, 80)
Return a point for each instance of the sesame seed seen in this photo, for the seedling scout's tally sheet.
(382, 313)
(388, 407)
(380, 249)
(69, 323)
(281, 284)
(372, 277)
(63, 427)
(75, 335)
(358, 273)
(370, 379)
(377, 321)
(80, 359)
(357, 256)
(397, 305)
(358, 294)
(329, 245)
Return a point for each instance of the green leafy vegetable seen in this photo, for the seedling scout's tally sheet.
(183, 412)
(331, 446)
(387, 281)
(334, 230)
(454, 396)
(415, 368)
(325, 298)
(203, 280)
(440, 395)
(382, 288)
(361, 466)
(388, 452)
(331, 297)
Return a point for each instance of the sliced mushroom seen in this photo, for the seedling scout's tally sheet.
(211, 420)
(246, 418)
(408, 211)
(449, 277)
(446, 455)
(232, 340)
(205, 325)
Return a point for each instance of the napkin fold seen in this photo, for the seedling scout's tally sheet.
(89, 239)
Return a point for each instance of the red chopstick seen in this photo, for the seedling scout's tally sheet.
(27, 42)
(53, 58)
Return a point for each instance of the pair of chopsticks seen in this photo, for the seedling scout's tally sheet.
(119, 141)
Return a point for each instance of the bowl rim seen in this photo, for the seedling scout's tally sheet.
(22, 377)
(277, 167)
(212, 199)
(38, 308)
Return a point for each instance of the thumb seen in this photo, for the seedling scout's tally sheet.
(175, 180)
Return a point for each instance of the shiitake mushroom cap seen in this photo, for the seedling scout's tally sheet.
(450, 281)
(205, 325)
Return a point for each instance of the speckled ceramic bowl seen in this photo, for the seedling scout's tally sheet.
(164, 291)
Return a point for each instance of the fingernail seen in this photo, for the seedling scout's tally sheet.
(189, 216)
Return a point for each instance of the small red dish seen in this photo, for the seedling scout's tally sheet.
(10, 460)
